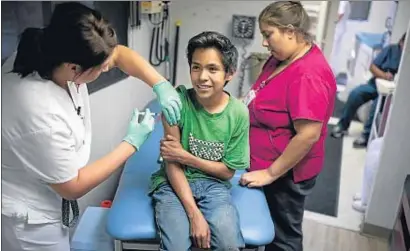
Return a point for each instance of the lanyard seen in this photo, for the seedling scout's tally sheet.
(77, 100)
(252, 93)
(264, 83)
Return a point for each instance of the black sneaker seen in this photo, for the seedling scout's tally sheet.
(360, 142)
(338, 132)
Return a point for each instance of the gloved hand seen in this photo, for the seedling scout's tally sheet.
(169, 101)
(138, 132)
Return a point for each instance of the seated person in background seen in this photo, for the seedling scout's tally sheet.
(191, 191)
(384, 66)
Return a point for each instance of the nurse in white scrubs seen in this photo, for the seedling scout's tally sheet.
(343, 14)
(46, 131)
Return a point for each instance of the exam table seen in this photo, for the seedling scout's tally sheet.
(131, 219)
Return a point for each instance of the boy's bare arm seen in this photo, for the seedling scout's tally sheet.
(199, 228)
(172, 150)
(176, 176)
(214, 168)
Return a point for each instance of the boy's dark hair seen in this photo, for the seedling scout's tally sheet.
(76, 34)
(211, 39)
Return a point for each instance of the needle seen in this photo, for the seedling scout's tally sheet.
(151, 113)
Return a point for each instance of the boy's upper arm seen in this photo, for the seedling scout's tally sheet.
(237, 150)
(170, 130)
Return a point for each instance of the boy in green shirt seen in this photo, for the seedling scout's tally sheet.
(191, 190)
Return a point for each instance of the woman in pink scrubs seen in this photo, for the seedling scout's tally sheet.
(290, 105)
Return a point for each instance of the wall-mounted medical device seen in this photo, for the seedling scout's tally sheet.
(243, 26)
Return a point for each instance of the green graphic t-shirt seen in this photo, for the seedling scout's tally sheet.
(221, 137)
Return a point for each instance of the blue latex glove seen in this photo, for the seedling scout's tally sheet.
(169, 101)
(138, 132)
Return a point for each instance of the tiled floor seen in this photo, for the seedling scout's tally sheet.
(343, 232)
(322, 237)
(351, 179)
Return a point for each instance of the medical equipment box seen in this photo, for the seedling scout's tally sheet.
(90, 234)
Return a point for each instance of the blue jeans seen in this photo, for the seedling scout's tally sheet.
(358, 97)
(214, 200)
(368, 126)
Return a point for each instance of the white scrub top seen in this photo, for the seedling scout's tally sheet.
(44, 141)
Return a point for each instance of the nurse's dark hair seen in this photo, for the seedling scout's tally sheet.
(287, 15)
(76, 34)
(211, 39)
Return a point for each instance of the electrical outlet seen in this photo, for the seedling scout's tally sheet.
(151, 7)
(243, 26)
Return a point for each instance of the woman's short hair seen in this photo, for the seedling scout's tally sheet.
(287, 15)
(76, 34)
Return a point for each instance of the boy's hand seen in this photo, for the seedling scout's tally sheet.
(171, 150)
(388, 76)
(200, 232)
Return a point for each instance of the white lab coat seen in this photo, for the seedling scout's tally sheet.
(340, 30)
(44, 142)
(37, 237)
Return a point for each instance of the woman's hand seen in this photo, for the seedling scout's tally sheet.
(135, 65)
(138, 132)
(169, 101)
(257, 178)
(172, 150)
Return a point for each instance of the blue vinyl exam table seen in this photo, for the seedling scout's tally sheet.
(131, 218)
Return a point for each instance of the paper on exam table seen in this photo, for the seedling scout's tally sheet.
(385, 86)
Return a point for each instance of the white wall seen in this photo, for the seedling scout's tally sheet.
(111, 109)
(401, 21)
(198, 16)
(394, 162)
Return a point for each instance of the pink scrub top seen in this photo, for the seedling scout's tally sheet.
(306, 89)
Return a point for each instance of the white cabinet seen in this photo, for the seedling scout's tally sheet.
(365, 49)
